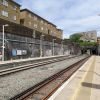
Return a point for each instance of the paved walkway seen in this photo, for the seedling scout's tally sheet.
(83, 85)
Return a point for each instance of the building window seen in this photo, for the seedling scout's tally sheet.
(14, 17)
(42, 28)
(30, 23)
(42, 21)
(35, 25)
(5, 13)
(35, 18)
(22, 21)
(14, 7)
(5, 3)
(30, 15)
(48, 31)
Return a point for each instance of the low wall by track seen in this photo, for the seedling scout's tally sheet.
(14, 63)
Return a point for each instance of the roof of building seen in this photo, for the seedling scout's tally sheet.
(37, 16)
(15, 2)
(60, 30)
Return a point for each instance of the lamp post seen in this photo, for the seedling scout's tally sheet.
(41, 45)
(3, 41)
(53, 50)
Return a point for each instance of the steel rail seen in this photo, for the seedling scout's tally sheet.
(29, 66)
(44, 89)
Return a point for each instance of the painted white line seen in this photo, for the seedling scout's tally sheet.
(64, 85)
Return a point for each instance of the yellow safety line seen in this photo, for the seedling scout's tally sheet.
(89, 64)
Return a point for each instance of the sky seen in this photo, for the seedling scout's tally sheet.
(71, 16)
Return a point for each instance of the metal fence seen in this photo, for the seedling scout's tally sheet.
(25, 47)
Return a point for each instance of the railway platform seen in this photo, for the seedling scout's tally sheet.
(83, 84)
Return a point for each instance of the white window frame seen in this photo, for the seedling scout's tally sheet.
(42, 21)
(5, 3)
(4, 13)
(15, 7)
(35, 25)
(42, 28)
(14, 17)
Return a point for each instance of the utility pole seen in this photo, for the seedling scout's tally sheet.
(33, 46)
(41, 45)
(3, 42)
(62, 47)
(53, 50)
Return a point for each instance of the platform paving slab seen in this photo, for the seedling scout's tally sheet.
(83, 85)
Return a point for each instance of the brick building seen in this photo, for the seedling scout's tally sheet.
(98, 40)
(10, 11)
(20, 41)
(34, 21)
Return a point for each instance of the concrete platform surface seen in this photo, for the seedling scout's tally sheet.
(83, 85)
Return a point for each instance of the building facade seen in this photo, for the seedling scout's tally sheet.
(10, 11)
(34, 21)
(20, 40)
(98, 40)
(90, 36)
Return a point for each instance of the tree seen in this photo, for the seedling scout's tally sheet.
(76, 38)
(85, 43)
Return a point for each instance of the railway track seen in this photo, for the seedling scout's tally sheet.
(43, 90)
(34, 65)
(22, 62)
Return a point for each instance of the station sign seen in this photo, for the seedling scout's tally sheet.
(19, 52)
(24, 52)
(14, 52)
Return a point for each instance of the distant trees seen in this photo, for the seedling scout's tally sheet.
(88, 44)
(76, 38)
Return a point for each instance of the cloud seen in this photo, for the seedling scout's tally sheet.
(70, 15)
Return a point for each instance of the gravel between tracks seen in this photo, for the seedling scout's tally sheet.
(15, 83)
